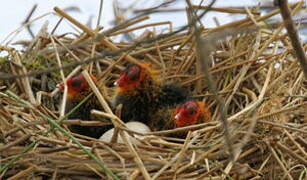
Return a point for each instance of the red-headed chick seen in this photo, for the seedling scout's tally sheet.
(189, 113)
(78, 89)
(140, 92)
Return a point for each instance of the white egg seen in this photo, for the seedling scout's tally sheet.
(134, 126)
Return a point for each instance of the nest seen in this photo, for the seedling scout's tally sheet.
(245, 71)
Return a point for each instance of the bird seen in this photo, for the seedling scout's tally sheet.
(141, 93)
(191, 112)
(78, 89)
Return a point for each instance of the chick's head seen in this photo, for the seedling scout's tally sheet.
(132, 76)
(77, 86)
(189, 113)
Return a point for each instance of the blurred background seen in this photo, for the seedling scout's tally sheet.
(15, 12)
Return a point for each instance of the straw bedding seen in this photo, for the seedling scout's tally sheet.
(258, 88)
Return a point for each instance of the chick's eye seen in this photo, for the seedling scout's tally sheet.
(76, 83)
(191, 111)
(133, 74)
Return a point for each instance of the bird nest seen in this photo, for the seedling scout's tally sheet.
(246, 72)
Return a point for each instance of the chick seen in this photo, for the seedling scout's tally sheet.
(188, 113)
(78, 89)
(141, 93)
(191, 113)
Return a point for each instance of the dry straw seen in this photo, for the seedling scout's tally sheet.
(246, 70)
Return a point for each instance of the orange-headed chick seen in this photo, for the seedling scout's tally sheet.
(141, 93)
(78, 89)
(189, 113)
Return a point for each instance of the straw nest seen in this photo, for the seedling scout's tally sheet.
(253, 84)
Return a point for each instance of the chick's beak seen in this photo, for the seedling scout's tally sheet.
(120, 81)
(178, 116)
(61, 86)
